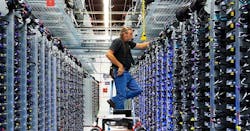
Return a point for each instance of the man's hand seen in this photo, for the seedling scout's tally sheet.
(143, 45)
(120, 71)
(111, 57)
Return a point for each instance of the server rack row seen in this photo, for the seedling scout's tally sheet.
(196, 75)
(41, 83)
(70, 97)
(91, 94)
(155, 76)
(95, 98)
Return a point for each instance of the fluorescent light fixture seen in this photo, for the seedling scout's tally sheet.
(106, 12)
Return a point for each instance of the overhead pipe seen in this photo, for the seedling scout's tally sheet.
(101, 12)
(94, 48)
(138, 2)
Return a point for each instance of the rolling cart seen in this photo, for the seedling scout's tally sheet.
(119, 120)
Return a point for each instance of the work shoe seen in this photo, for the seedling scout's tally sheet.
(111, 103)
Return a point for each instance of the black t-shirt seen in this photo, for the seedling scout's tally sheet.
(122, 52)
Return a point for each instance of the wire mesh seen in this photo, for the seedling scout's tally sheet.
(55, 18)
(159, 13)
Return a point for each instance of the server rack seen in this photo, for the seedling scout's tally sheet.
(91, 107)
(207, 81)
(41, 83)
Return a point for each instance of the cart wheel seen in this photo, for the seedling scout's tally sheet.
(140, 129)
(95, 129)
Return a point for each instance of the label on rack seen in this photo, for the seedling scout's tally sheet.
(232, 49)
(232, 3)
(232, 37)
(50, 3)
(238, 128)
(232, 25)
(232, 13)
(232, 61)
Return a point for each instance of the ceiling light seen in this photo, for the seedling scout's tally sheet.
(106, 12)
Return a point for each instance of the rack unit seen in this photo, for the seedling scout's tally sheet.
(206, 72)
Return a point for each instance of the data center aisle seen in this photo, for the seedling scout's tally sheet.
(195, 75)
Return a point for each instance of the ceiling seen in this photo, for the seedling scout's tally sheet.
(119, 10)
(80, 25)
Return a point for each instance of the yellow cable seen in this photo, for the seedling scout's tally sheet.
(143, 36)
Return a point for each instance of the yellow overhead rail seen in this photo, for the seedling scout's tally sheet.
(143, 12)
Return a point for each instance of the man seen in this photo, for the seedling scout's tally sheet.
(119, 54)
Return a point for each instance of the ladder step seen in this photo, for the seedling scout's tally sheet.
(126, 112)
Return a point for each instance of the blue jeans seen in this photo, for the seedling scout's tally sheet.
(126, 88)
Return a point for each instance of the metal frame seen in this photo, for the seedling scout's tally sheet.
(48, 86)
(10, 71)
(41, 87)
(212, 66)
(23, 82)
(58, 89)
(237, 66)
(34, 81)
(53, 94)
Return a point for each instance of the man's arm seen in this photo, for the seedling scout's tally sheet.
(112, 58)
(143, 45)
